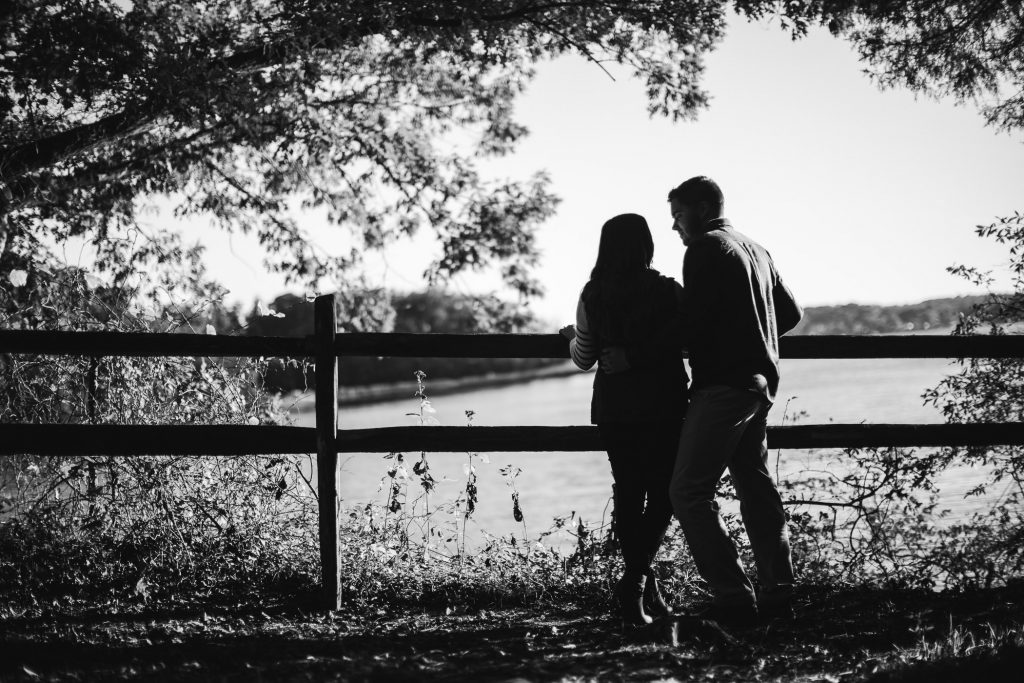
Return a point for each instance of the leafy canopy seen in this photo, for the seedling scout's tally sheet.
(375, 114)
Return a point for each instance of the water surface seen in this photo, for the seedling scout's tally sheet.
(563, 484)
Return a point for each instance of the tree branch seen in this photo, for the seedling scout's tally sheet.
(26, 192)
(26, 157)
(31, 156)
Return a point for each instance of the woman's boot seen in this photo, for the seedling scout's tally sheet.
(653, 600)
(630, 594)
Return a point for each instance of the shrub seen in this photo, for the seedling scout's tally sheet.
(138, 526)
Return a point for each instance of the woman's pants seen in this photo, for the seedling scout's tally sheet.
(642, 456)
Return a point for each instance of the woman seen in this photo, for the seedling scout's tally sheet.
(629, 309)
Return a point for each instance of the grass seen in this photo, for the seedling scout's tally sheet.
(983, 652)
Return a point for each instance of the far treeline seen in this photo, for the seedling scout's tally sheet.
(869, 319)
(434, 311)
(428, 311)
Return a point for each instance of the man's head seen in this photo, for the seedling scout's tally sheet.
(693, 204)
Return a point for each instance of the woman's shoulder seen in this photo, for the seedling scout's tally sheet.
(587, 290)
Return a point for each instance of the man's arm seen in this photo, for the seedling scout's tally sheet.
(787, 311)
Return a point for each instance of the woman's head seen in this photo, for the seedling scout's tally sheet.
(626, 247)
(618, 298)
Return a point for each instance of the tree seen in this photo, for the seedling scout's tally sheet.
(375, 114)
(969, 50)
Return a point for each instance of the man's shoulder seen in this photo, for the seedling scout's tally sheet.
(714, 243)
(714, 240)
(734, 242)
(742, 238)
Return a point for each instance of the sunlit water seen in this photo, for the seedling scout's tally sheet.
(559, 484)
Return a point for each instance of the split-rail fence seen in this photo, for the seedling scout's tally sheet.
(326, 345)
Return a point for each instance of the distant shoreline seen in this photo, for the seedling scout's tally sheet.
(392, 391)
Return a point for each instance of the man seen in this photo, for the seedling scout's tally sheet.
(736, 308)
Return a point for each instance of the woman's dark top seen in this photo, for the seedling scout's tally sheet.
(644, 313)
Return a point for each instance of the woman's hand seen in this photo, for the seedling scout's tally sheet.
(569, 332)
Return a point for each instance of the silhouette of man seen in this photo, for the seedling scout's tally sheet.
(736, 308)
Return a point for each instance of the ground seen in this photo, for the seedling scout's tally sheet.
(839, 635)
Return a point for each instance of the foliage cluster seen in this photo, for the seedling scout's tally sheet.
(127, 526)
(990, 390)
(874, 514)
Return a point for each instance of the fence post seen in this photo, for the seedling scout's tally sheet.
(325, 328)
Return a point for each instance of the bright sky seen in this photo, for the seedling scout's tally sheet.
(860, 195)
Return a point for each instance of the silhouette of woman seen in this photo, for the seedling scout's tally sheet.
(626, 304)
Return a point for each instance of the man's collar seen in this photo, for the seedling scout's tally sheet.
(717, 224)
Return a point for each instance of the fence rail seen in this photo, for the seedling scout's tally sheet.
(127, 440)
(325, 346)
(103, 439)
(136, 344)
(580, 438)
(395, 345)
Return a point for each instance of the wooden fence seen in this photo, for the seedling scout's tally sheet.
(325, 346)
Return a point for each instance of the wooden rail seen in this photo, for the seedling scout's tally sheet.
(580, 438)
(555, 346)
(126, 440)
(150, 344)
(396, 345)
(326, 346)
(85, 439)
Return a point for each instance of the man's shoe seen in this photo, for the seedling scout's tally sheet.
(654, 602)
(729, 614)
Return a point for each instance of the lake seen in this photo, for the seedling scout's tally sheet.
(561, 484)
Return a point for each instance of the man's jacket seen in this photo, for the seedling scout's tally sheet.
(736, 306)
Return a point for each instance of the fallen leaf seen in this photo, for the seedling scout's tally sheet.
(18, 278)
(142, 588)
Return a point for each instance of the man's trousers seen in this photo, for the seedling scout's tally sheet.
(725, 429)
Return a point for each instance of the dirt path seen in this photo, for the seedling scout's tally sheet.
(838, 636)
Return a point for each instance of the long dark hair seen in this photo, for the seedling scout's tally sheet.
(618, 297)
(626, 248)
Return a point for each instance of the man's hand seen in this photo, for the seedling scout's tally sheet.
(613, 360)
(569, 332)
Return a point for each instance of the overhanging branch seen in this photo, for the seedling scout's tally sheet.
(33, 155)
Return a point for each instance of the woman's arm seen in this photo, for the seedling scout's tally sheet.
(583, 348)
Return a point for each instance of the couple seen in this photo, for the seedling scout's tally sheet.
(634, 322)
